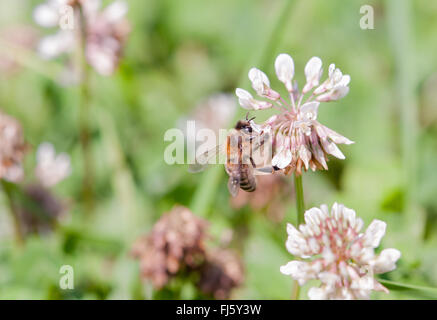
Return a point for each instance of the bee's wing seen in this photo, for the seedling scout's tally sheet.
(202, 160)
(263, 159)
(259, 148)
(263, 171)
(233, 186)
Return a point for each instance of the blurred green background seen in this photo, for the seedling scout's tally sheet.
(178, 54)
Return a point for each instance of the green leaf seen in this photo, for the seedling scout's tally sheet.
(411, 289)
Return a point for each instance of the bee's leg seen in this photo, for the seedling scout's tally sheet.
(261, 143)
(252, 162)
(266, 170)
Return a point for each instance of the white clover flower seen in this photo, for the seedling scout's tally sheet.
(336, 252)
(335, 87)
(284, 67)
(247, 101)
(313, 72)
(299, 142)
(51, 168)
(261, 84)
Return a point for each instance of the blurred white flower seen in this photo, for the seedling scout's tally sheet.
(54, 45)
(48, 14)
(105, 35)
(51, 168)
(338, 254)
(115, 12)
(300, 142)
(215, 113)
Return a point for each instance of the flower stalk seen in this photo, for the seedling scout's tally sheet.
(96, 38)
(300, 211)
(300, 204)
(399, 27)
(7, 188)
(206, 190)
(84, 114)
(295, 291)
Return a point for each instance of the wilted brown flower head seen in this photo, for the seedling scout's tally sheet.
(174, 243)
(12, 149)
(222, 272)
(42, 212)
(271, 192)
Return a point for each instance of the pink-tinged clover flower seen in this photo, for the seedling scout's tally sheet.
(299, 142)
(105, 33)
(13, 149)
(335, 251)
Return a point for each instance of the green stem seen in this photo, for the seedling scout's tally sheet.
(300, 210)
(207, 189)
(7, 188)
(295, 291)
(300, 206)
(276, 34)
(399, 27)
(84, 117)
(204, 195)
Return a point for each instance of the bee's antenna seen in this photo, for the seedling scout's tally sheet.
(251, 119)
(247, 116)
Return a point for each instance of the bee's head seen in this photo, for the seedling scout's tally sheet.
(244, 126)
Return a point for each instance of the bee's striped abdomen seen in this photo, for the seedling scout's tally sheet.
(247, 182)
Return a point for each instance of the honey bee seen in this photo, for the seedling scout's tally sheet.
(239, 148)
